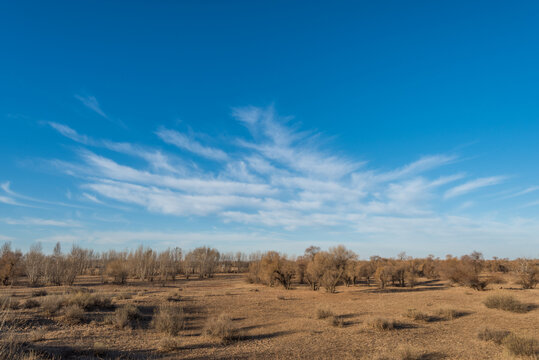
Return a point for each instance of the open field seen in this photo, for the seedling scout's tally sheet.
(270, 322)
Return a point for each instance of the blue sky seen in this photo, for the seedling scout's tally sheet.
(384, 126)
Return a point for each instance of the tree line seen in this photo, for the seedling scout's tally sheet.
(316, 268)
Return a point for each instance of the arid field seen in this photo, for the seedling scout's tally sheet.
(433, 320)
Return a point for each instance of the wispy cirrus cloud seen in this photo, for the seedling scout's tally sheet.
(30, 221)
(91, 103)
(188, 143)
(474, 185)
(281, 178)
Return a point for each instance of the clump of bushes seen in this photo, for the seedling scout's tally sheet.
(40, 292)
(417, 315)
(89, 301)
(222, 328)
(449, 314)
(324, 312)
(506, 302)
(381, 324)
(336, 321)
(168, 344)
(125, 316)
(169, 319)
(496, 336)
(31, 304)
(8, 302)
(521, 346)
(73, 314)
(52, 304)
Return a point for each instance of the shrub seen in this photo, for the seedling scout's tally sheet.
(381, 324)
(520, 346)
(496, 336)
(88, 301)
(336, 321)
(408, 353)
(52, 304)
(31, 304)
(38, 335)
(117, 269)
(125, 316)
(73, 314)
(528, 273)
(324, 312)
(417, 315)
(449, 314)
(38, 293)
(169, 319)
(505, 302)
(221, 328)
(8, 302)
(168, 344)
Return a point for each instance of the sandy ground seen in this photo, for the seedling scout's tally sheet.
(280, 324)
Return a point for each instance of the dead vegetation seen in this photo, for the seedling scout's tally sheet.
(169, 319)
(507, 303)
(164, 304)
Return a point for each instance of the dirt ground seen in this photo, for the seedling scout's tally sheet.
(282, 324)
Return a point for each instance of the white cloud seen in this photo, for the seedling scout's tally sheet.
(185, 142)
(473, 185)
(91, 103)
(29, 221)
(92, 198)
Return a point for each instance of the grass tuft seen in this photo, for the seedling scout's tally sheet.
(506, 302)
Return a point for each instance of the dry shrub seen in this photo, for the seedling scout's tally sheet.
(417, 315)
(88, 301)
(324, 312)
(409, 353)
(8, 302)
(222, 328)
(168, 344)
(52, 304)
(381, 324)
(519, 346)
(31, 304)
(37, 335)
(336, 321)
(73, 314)
(125, 316)
(40, 292)
(449, 314)
(99, 349)
(169, 319)
(505, 302)
(496, 336)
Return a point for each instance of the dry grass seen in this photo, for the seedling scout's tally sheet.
(417, 315)
(496, 336)
(168, 344)
(8, 302)
(324, 312)
(271, 328)
(379, 323)
(449, 314)
(506, 302)
(88, 301)
(52, 304)
(40, 292)
(221, 328)
(336, 321)
(520, 346)
(125, 316)
(37, 335)
(169, 319)
(31, 304)
(73, 314)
